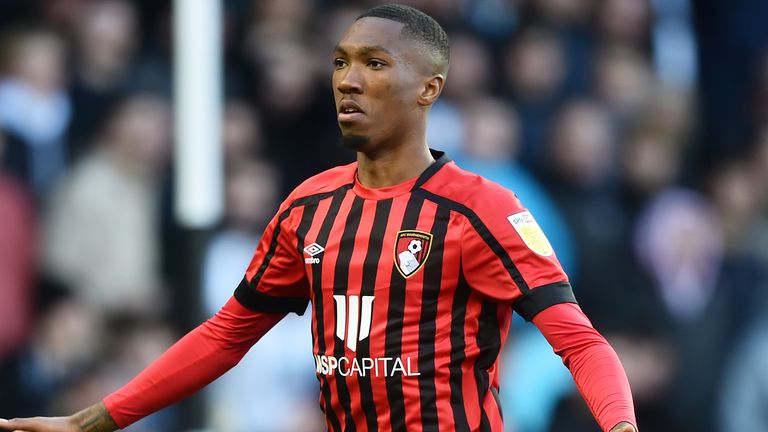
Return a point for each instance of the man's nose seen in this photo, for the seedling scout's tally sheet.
(351, 80)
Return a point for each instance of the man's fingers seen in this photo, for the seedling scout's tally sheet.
(17, 425)
(5, 424)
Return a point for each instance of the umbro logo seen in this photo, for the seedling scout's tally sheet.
(313, 250)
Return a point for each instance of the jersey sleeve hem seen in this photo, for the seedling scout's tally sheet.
(540, 298)
(248, 296)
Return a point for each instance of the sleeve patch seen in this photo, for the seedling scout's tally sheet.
(532, 235)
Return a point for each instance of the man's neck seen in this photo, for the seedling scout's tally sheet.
(393, 166)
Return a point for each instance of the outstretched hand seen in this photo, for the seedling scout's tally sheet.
(624, 427)
(92, 419)
(40, 424)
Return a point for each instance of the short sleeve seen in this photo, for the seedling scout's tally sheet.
(275, 280)
(507, 257)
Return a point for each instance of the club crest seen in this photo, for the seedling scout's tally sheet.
(411, 251)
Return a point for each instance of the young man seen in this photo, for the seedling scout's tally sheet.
(412, 265)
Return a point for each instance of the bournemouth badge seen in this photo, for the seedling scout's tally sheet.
(531, 233)
(411, 251)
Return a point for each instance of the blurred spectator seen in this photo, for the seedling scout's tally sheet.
(470, 72)
(106, 38)
(582, 152)
(63, 345)
(251, 199)
(494, 19)
(470, 78)
(650, 161)
(569, 19)
(680, 243)
(731, 42)
(298, 115)
(735, 189)
(743, 402)
(623, 82)
(18, 263)
(737, 193)
(624, 22)
(275, 377)
(101, 231)
(242, 135)
(34, 105)
(534, 67)
(280, 18)
(758, 240)
(560, 13)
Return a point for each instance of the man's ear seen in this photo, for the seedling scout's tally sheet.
(431, 90)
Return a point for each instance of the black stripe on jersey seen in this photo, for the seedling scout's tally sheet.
(247, 294)
(538, 299)
(440, 160)
(370, 270)
(489, 342)
(394, 331)
(317, 287)
(458, 318)
(433, 276)
(484, 232)
(306, 222)
(340, 286)
(260, 302)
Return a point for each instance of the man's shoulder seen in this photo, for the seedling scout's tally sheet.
(469, 191)
(325, 182)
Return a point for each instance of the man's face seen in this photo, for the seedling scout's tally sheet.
(377, 79)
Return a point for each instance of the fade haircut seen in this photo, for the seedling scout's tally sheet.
(420, 28)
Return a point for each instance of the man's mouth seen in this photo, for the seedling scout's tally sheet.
(350, 111)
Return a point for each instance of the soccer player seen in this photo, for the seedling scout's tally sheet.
(412, 266)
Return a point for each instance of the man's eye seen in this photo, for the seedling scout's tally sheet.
(339, 63)
(376, 64)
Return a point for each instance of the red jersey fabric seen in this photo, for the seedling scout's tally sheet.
(412, 288)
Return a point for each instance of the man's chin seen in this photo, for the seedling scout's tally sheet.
(354, 142)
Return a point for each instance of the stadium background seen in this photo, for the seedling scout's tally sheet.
(635, 130)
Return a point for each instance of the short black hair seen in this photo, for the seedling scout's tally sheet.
(419, 27)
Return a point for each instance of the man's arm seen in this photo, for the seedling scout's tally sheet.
(92, 419)
(193, 362)
(594, 365)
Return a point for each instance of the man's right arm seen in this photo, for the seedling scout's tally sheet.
(189, 365)
(275, 284)
(92, 419)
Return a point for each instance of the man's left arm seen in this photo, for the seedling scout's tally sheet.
(506, 257)
(594, 365)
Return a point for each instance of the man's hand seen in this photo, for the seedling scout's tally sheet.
(624, 427)
(40, 424)
(93, 419)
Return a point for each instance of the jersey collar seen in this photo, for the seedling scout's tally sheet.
(402, 188)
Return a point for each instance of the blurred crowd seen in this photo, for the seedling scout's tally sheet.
(636, 131)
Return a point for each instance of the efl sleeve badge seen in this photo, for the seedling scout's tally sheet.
(529, 230)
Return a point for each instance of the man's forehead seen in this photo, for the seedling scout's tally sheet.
(371, 33)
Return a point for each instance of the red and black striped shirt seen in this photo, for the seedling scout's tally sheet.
(412, 290)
